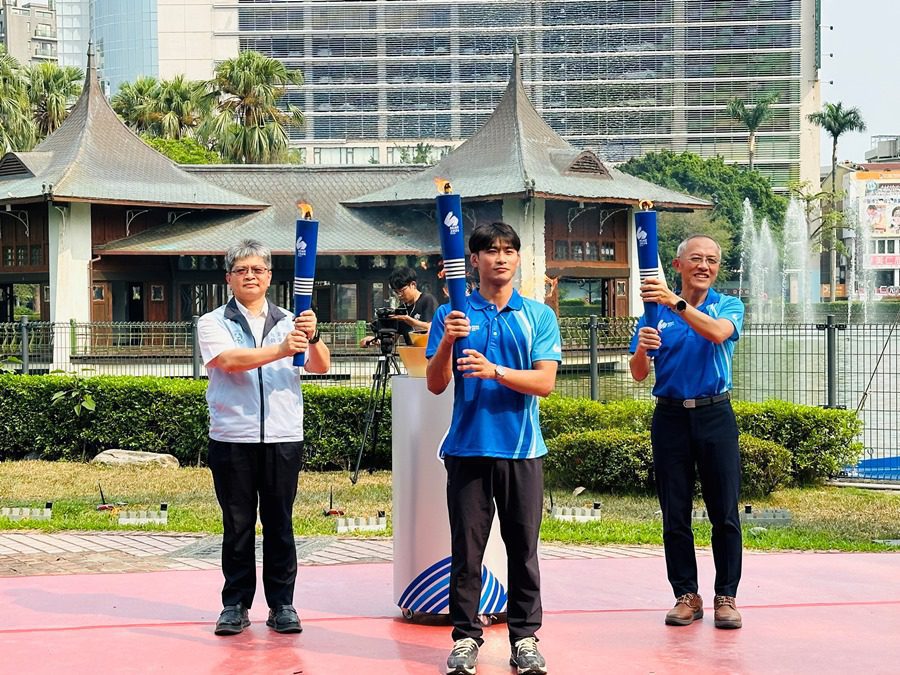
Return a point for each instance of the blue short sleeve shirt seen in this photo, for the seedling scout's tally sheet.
(688, 365)
(490, 419)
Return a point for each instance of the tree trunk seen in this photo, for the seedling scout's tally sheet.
(751, 147)
(832, 239)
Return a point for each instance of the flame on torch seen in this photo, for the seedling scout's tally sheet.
(306, 210)
(645, 205)
(443, 186)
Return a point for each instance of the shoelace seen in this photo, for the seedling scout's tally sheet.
(463, 647)
(685, 599)
(526, 647)
(724, 600)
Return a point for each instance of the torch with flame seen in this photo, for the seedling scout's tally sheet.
(648, 254)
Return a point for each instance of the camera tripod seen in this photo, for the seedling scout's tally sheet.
(386, 366)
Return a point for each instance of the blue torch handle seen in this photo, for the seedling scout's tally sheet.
(307, 235)
(648, 259)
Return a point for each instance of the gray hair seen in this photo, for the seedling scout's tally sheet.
(683, 245)
(248, 248)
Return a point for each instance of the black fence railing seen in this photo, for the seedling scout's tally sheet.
(831, 364)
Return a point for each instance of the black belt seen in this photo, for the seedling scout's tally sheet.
(693, 402)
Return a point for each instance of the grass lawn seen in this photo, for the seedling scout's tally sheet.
(824, 518)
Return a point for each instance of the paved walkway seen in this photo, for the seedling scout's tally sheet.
(28, 553)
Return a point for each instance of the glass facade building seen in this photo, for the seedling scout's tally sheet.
(73, 28)
(125, 40)
(620, 77)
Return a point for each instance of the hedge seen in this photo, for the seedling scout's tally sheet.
(170, 415)
(621, 461)
(165, 415)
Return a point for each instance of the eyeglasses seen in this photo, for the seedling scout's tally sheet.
(699, 259)
(399, 291)
(242, 271)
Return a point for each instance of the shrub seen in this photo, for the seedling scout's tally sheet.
(821, 441)
(561, 415)
(621, 461)
(608, 460)
(765, 466)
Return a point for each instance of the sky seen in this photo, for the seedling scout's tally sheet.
(860, 69)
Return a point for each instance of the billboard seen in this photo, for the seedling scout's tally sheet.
(879, 203)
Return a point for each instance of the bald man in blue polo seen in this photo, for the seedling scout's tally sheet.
(493, 451)
(694, 431)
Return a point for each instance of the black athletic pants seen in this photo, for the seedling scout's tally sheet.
(475, 487)
(246, 475)
(705, 438)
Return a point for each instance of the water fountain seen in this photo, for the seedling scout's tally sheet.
(776, 275)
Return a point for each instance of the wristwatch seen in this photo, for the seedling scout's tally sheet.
(681, 305)
(499, 372)
(315, 338)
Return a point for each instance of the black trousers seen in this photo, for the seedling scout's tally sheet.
(705, 438)
(475, 487)
(247, 475)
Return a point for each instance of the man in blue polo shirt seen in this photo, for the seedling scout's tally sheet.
(694, 425)
(493, 451)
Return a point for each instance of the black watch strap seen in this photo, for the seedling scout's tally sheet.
(315, 338)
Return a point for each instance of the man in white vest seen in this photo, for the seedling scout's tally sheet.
(256, 433)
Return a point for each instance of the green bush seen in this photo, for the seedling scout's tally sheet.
(165, 415)
(608, 460)
(765, 466)
(619, 461)
(170, 415)
(821, 441)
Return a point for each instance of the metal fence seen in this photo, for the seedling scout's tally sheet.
(831, 365)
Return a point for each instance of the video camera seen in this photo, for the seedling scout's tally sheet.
(386, 327)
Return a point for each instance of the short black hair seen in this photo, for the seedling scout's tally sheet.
(485, 236)
(400, 277)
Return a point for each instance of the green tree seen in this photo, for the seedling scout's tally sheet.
(17, 129)
(752, 117)
(249, 127)
(420, 154)
(178, 107)
(52, 91)
(836, 121)
(183, 150)
(134, 104)
(725, 185)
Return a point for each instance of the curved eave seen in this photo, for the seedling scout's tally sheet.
(658, 205)
(180, 205)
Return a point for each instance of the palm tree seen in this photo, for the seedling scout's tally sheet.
(752, 118)
(133, 103)
(52, 90)
(178, 107)
(836, 121)
(249, 127)
(17, 129)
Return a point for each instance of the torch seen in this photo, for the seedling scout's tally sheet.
(307, 235)
(453, 249)
(648, 254)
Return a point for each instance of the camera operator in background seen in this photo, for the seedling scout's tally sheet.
(416, 309)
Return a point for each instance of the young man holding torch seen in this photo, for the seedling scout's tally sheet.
(493, 451)
(256, 433)
(694, 425)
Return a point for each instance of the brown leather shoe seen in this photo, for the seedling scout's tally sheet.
(727, 615)
(688, 608)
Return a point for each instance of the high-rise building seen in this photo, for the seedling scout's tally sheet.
(621, 77)
(28, 30)
(159, 38)
(73, 29)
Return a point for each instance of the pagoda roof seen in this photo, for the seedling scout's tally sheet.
(94, 157)
(342, 231)
(516, 153)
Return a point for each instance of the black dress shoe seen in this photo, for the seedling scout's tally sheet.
(284, 619)
(232, 620)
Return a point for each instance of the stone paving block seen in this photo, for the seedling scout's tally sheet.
(575, 514)
(361, 524)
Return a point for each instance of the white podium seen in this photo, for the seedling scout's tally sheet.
(421, 526)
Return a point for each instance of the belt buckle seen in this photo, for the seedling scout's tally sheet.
(689, 403)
